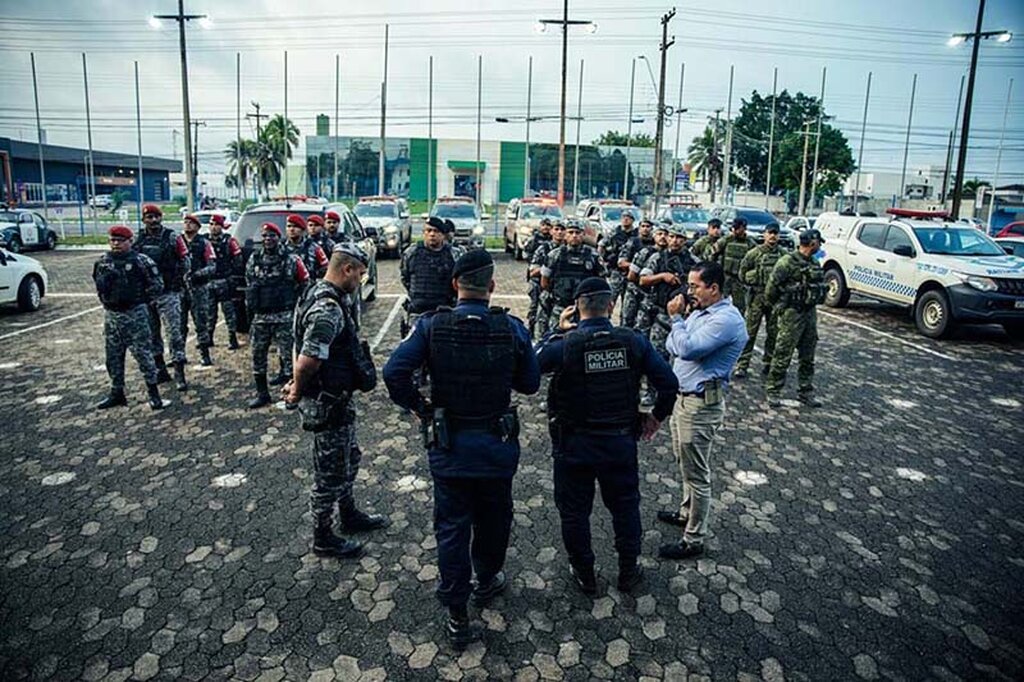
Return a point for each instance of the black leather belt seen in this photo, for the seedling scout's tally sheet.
(692, 394)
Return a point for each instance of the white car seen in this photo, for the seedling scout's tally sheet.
(230, 218)
(946, 272)
(1014, 244)
(23, 281)
(101, 201)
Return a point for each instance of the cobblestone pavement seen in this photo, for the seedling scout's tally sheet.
(881, 536)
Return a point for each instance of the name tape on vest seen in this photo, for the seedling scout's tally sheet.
(605, 360)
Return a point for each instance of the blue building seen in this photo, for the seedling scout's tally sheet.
(67, 180)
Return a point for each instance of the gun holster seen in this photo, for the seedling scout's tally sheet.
(317, 412)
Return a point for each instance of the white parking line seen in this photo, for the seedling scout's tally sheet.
(52, 294)
(395, 310)
(51, 322)
(888, 336)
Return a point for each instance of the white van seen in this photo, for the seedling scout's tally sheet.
(946, 272)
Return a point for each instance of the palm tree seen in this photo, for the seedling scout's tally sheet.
(241, 156)
(272, 150)
(971, 187)
(706, 157)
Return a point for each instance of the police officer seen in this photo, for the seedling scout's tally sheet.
(195, 298)
(332, 221)
(664, 274)
(426, 273)
(795, 288)
(274, 279)
(566, 267)
(126, 281)
(608, 249)
(540, 257)
(298, 244)
(168, 251)
(540, 237)
(318, 234)
(754, 272)
(330, 366)
(643, 318)
(630, 258)
(230, 271)
(594, 424)
(729, 252)
(703, 247)
(448, 229)
(477, 356)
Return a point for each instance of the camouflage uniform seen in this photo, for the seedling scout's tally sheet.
(703, 247)
(608, 249)
(537, 243)
(324, 241)
(635, 252)
(222, 288)
(273, 326)
(196, 297)
(678, 263)
(126, 317)
(544, 300)
(165, 310)
(311, 255)
(729, 252)
(795, 287)
(565, 268)
(755, 270)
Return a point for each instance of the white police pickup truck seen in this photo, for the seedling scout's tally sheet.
(945, 271)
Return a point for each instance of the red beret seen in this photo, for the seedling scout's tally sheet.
(217, 218)
(192, 218)
(297, 219)
(151, 208)
(121, 231)
(270, 227)
(332, 215)
(315, 220)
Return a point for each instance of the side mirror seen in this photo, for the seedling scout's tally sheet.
(424, 216)
(905, 250)
(1008, 250)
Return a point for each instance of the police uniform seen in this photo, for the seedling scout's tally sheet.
(566, 267)
(594, 408)
(477, 356)
(311, 255)
(274, 280)
(227, 273)
(168, 251)
(755, 270)
(795, 288)
(608, 249)
(537, 242)
(705, 246)
(126, 283)
(678, 263)
(195, 299)
(426, 275)
(544, 300)
(635, 252)
(324, 329)
(729, 252)
(321, 238)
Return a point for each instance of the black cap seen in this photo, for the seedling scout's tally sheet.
(471, 262)
(772, 227)
(739, 221)
(436, 223)
(592, 285)
(807, 236)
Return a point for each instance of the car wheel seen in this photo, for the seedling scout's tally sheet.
(508, 246)
(1015, 330)
(51, 241)
(518, 249)
(932, 314)
(837, 295)
(30, 294)
(372, 296)
(15, 245)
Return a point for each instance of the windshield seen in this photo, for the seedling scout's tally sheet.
(376, 210)
(613, 214)
(689, 215)
(8, 217)
(535, 211)
(457, 211)
(759, 218)
(956, 241)
(247, 227)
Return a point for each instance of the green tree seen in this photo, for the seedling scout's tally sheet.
(274, 146)
(613, 138)
(241, 156)
(705, 154)
(971, 187)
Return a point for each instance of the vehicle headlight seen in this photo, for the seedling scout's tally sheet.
(478, 230)
(979, 283)
(390, 229)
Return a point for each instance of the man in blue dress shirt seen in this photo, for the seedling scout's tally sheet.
(595, 421)
(477, 355)
(705, 346)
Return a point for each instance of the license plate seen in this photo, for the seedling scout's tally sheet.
(1019, 304)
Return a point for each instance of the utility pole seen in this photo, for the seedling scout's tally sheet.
(906, 144)
(39, 138)
(629, 130)
(727, 160)
(771, 138)
(337, 101)
(714, 156)
(92, 162)
(817, 140)
(259, 130)
(195, 156)
(999, 156)
(576, 161)
(140, 186)
(238, 126)
(479, 109)
(284, 133)
(529, 101)
(660, 131)
(383, 114)
(952, 140)
(803, 167)
(860, 153)
(430, 132)
(679, 125)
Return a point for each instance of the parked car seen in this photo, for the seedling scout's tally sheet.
(230, 218)
(757, 221)
(945, 272)
(23, 281)
(519, 228)
(22, 229)
(1012, 230)
(387, 220)
(799, 223)
(463, 212)
(1012, 245)
(247, 232)
(693, 218)
(101, 201)
(603, 216)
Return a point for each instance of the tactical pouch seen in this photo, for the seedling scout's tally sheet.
(316, 412)
(712, 392)
(508, 425)
(442, 435)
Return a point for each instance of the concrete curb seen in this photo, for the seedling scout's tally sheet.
(82, 247)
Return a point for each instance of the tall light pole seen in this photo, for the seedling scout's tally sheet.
(817, 140)
(576, 160)
(565, 23)
(204, 22)
(479, 121)
(999, 156)
(39, 139)
(629, 130)
(952, 140)
(679, 124)
(659, 135)
(771, 138)
(727, 160)
(803, 168)
(860, 152)
(906, 144)
(383, 114)
(92, 161)
(529, 102)
(430, 131)
(965, 128)
(714, 155)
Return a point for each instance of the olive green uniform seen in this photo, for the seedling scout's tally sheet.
(795, 287)
(729, 252)
(755, 269)
(703, 247)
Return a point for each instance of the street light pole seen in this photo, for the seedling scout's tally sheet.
(659, 135)
(629, 130)
(906, 144)
(576, 160)
(383, 114)
(92, 161)
(727, 160)
(860, 153)
(771, 138)
(817, 140)
(39, 139)
(714, 156)
(679, 126)
(529, 101)
(999, 156)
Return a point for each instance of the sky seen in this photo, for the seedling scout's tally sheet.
(892, 39)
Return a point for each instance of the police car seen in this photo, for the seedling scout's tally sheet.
(946, 272)
(387, 219)
(23, 281)
(464, 214)
(23, 229)
(603, 216)
(524, 219)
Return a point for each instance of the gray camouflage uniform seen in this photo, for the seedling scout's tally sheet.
(128, 329)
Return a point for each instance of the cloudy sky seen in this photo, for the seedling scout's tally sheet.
(892, 39)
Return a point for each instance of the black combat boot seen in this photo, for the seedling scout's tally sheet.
(262, 392)
(179, 376)
(280, 380)
(630, 575)
(584, 578)
(233, 341)
(486, 590)
(113, 399)
(162, 377)
(326, 543)
(204, 354)
(155, 401)
(458, 630)
(354, 520)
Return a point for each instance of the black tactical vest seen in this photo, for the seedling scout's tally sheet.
(121, 281)
(597, 388)
(679, 264)
(306, 252)
(324, 242)
(337, 372)
(636, 246)
(472, 362)
(197, 258)
(571, 267)
(614, 244)
(225, 261)
(272, 287)
(161, 249)
(430, 278)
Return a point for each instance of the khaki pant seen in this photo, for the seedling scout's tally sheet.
(694, 426)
